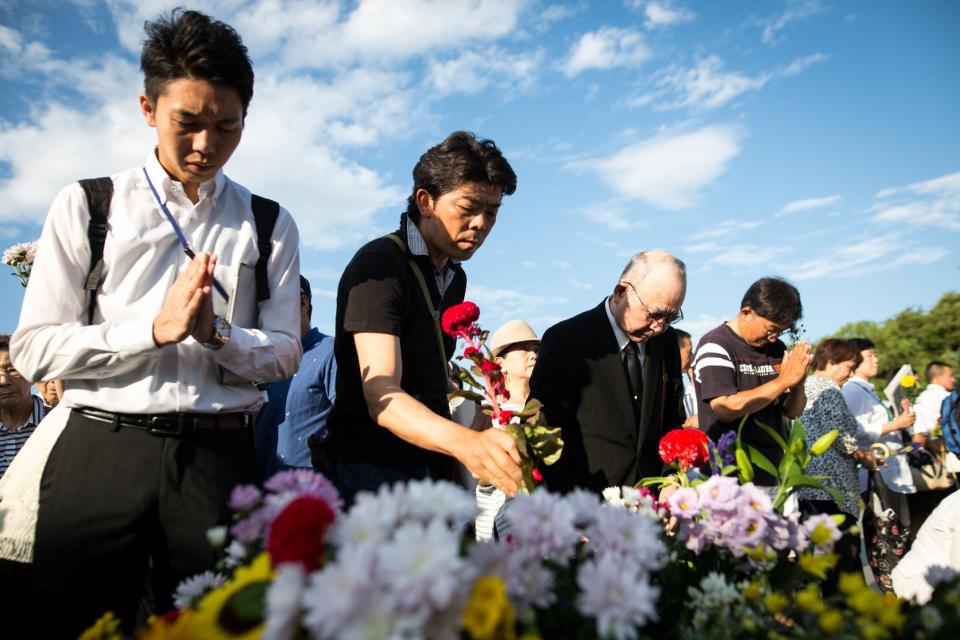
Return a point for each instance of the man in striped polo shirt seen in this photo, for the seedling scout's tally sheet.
(742, 368)
(20, 411)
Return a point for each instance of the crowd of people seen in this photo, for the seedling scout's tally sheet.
(166, 303)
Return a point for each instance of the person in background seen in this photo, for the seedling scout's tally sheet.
(937, 545)
(514, 346)
(610, 378)
(886, 519)
(742, 368)
(940, 382)
(833, 363)
(298, 407)
(689, 389)
(20, 411)
(51, 391)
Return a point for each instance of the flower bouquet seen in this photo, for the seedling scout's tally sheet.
(21, 257)
(484, 384)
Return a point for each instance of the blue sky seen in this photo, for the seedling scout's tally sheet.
(816, 140)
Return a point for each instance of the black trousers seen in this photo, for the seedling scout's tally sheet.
(111, 499)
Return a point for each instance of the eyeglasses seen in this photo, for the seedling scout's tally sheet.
(666, 317)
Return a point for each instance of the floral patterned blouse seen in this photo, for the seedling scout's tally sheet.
(826, 410)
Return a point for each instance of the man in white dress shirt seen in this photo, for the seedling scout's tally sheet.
(940, 383)
(156, 439)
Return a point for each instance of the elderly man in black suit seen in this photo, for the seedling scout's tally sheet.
(610, 378)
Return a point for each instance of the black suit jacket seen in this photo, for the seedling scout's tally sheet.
(580, 380)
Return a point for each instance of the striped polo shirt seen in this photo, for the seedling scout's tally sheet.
(11, 441)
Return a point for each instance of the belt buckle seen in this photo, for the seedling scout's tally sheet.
(165, 425)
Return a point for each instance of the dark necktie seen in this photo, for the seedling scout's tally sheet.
(631, 363)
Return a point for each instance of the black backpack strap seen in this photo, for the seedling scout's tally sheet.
(265, 214)
(99, 192)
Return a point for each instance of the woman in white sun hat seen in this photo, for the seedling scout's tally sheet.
(514, 347)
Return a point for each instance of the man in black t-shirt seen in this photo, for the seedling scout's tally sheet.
(391, 421)
(741, 368)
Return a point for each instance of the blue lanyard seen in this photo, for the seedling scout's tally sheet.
(180, 236)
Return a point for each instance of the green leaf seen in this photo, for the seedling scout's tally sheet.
(824, 442)
(762, 461)
(652, 480)
(773, 434)
(744, 465)
(463, 393)
(245, 609)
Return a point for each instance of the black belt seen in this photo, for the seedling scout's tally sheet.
(173, 424)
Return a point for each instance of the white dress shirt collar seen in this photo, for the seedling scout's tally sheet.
(619, 334)
(166, 185)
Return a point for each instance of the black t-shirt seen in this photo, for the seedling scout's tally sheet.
(379, 293)
(724, 365)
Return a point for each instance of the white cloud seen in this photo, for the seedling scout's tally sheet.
(749, 256)
(707, 85)
(664, 14)
(726, 228)
(613, 216)
(930, 203)
(870, 255)
(471, 72)
(668, 171)
(698, 326)
(807, 204)
(561, 264)
(607, 48)
(497, 304)
(795, 11)
(586, 286)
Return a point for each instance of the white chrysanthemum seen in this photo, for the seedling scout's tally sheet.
(715, 593)
(373, 619)
(585, 506)
(528, 581)
(930, 618)
(237, 553)
(612, 496)
(614, 591)
(421, 566)
(20, 253)
(625, 533)
(543, 522)
(334, 594)
(217, 536)
(371, 520)
(285, 602)
(427, 500)
(192, 588)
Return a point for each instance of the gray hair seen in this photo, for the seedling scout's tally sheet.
(644, 261)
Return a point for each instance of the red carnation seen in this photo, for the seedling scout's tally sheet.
(688, 447)
(489, 366)
(298, 532)
(471, 352)
(458, 318)
(536, 474)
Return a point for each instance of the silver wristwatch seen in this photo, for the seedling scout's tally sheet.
(221, 334)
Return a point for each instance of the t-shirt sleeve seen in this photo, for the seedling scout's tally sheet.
(714, 371)
(375, 294)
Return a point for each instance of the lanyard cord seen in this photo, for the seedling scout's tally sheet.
(180, 236)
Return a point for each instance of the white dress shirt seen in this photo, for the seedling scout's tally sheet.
(871, 415)
(928, 407)
(937, 545)
(114, 364)
(621, 336)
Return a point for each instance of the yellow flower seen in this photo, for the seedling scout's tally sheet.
(760, 554)
(872, 631)
(866, 602)
(908, 381)
(210, 611)
(817, 565)
(775, 602)
(489, 614)
(809, 600)
(751, 592)
(180, 629)
(851, 583)
(106, 628)
(831, 621)
(891, 616)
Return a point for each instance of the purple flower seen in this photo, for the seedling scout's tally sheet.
(684, 503)
(244, 497)
(719, 493)
(250, 529)
(305, 481)
(726, 446)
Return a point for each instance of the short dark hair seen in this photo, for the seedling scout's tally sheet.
(306, 292)
(863, 343)
(189, 44)
(833, 350)
(682, 335)
(934, 369)
(460, 159)
(4, 342)
(774, 299)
